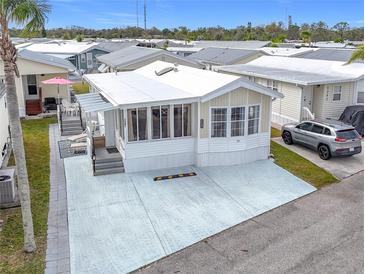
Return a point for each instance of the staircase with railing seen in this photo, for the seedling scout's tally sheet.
(103, 162)
(69, 124)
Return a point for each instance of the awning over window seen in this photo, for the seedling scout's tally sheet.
(93, 102)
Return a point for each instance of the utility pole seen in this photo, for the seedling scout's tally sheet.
(290, 21)
(145, 16)
(137, 13)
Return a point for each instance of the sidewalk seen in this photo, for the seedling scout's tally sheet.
(58, 250)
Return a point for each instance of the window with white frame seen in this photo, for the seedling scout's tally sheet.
(253, 119)
(272, 84)
(83, 58)
(237, 121)
(336, 93)
(182, 120)
(218, 122)
(137, 124)
(160, 122)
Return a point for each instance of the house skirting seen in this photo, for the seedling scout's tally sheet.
(205, 152)
(282, 119)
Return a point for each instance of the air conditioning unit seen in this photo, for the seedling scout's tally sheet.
(7, 186)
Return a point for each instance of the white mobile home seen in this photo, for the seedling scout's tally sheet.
(311, 88)
(162, 116)
(4, 126)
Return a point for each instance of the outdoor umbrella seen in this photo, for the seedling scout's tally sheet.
(57, 81)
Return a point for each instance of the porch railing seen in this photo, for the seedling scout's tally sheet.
(93, 154)
(59, 115)
(307, 114)
(80, 114)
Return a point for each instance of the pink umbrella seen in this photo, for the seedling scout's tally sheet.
(57, 81)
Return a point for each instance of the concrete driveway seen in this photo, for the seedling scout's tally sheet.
(120, 222)
(320, 233)
(341, 167)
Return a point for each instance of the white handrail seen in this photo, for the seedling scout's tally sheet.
(307, 114)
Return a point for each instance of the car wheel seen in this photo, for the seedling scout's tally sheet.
(287, 138)
(324, 152)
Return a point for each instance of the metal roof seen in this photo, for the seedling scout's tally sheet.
(93, 102)
(130, 55)
(298, 70)
(251, 44)
(45, 59)
(114, 46)
(222, 56)
(182, 83)
(328, 54)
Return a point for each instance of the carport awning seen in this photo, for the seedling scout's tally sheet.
(93, 102)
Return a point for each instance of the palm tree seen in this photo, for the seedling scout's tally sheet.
(32, 15)
(357, 55)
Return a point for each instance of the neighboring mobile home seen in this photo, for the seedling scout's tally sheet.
(4, 126)
(34, 68)
(212, 56)
(134, 57)
(329, 54)
(162, 116)
(318, 88)
(83, 55)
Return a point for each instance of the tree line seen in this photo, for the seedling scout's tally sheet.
(275, 32)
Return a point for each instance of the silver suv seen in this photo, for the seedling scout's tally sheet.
(328, 137)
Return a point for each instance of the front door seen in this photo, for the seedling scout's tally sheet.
(307, 97)
(89, 60)
(31, 88)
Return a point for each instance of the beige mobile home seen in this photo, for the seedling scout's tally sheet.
(162, 116)
(311, 88)
(34, 68)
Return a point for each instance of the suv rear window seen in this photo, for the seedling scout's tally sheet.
(347, 134)
(317, 129)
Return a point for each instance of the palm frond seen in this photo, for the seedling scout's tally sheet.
(30, 13)
(357, 55)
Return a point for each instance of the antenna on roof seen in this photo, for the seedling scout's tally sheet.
(145, 15)
(137, 13)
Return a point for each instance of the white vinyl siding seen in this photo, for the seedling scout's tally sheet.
(290, 105)
(333, 109)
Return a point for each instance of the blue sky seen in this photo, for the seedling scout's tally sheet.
(173, 13)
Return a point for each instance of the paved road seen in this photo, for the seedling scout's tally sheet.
(341, 167)
(319, 233)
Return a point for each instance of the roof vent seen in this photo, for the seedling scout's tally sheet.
(164, 71)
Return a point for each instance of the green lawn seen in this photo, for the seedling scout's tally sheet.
(12, 257)
(80, 88)
(301, 167)
(275, 132)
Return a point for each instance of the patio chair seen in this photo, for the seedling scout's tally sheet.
(69, 109)
(78, 147)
